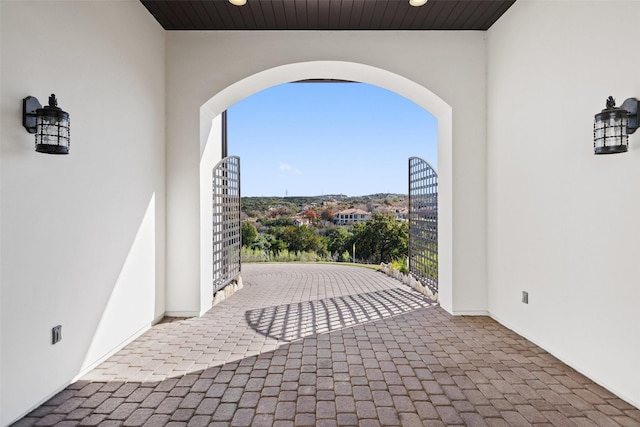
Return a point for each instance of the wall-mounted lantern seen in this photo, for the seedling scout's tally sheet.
(613, 125)
(49, 123)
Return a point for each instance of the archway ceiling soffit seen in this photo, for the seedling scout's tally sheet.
(453, 15)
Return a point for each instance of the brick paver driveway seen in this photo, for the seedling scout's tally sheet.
(331, 345)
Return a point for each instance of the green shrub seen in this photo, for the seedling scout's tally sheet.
(401, 265)
(284, 255)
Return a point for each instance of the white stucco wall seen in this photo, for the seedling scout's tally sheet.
(562, 222)
(83, 234)
(451, 65)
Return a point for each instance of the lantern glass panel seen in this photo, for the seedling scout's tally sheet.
(599, 134)
(47, 132)
(63, 129)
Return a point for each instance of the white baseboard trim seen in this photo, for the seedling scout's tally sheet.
(184, 313)
(470, 313)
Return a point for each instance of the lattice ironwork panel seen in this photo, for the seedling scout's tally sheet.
(423, 222)
(227, 233)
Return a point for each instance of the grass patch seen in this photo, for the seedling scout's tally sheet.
(353, 264)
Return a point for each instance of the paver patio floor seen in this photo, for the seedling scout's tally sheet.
(331, 345)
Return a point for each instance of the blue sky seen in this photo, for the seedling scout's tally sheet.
(308, 139)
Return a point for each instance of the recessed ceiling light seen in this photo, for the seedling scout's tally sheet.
(238, 2)
(417, 2)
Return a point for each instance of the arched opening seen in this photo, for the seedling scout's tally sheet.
(211, 146)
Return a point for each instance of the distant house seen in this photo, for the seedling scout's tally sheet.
(300, 221)
(351, 216)
(398, 213)
(401, 214)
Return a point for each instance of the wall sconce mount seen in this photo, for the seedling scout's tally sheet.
(613, 125)
(50, 125)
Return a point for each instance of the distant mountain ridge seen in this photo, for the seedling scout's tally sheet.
(330, 197)
(255, 206)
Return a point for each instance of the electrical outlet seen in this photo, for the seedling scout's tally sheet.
(56, 334)
(525, 297)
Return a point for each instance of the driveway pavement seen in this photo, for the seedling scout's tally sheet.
(326, 345)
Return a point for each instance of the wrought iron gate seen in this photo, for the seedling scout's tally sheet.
(227, 234)
(423, 222)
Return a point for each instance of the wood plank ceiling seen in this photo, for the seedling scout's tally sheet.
(327, 14)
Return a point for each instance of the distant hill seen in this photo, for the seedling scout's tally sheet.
(259, 206)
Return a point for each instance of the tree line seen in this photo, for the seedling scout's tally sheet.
(380, 239)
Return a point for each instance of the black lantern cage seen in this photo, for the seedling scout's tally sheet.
(610, 130)
(613, 125)
(52, 129)
(50, 124)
